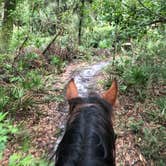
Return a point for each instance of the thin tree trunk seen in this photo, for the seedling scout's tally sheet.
(81, 21)
(7, 25)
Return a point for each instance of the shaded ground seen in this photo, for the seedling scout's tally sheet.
(44, 130)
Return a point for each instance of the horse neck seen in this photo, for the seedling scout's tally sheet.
(88, 138)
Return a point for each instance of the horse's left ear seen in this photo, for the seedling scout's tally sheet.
(71, 90)
(111, 94)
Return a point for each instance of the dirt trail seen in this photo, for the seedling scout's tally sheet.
(86, 80)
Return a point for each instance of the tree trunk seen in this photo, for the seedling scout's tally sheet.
(81, 16)
(7, 25)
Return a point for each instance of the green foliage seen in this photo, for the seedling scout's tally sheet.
(56, 60)
(14, 99)
(25, 160)
(142, 70)
(135, 78)
(136, 75)
(33, 80)
(157, 115)
(4, 98)
(17, 95)
(134, 125)
(141, 74)
(27, 61)
(104, 44)
(100, 36)
(58, 63)
(161, 102)
(153, 143)
(17, 92)
(6, 129)
(54, 98)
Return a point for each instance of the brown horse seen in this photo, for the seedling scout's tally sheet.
(89, 139)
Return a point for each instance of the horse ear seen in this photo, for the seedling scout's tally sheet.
(71, 90)
(111, 94)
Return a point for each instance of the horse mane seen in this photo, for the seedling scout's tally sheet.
(89, 139)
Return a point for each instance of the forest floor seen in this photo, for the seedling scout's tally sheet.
(43, 131)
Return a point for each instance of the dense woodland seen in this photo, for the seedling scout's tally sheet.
(39, 39)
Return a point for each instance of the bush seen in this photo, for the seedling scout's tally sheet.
(6, 129)
(144, 69)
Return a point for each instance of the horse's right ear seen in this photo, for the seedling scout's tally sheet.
(71, 90)
(111, 94)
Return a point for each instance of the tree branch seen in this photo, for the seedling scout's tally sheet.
(160, 20)
(20, 48)
(52, 41)
(145, 6)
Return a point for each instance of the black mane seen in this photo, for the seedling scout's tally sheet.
(89, 139)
